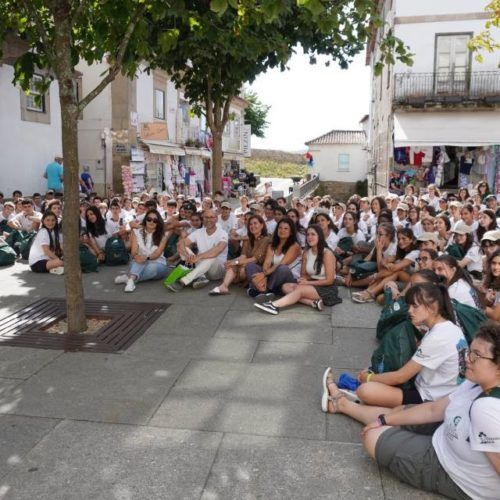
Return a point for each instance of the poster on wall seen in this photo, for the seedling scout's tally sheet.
(154, 131)
(246, 137)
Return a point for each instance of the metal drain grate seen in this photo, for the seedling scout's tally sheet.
(129, 320)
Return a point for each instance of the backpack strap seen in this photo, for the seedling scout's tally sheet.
(494, 392)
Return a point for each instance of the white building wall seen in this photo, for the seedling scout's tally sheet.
(27, 147)
(172, 97)
(326, 162)
(96, 118)
(439, 7)
(145, 97)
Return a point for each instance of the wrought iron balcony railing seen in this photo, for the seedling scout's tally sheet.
(447, 87)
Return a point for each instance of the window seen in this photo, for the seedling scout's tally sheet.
(343, 163)
(35, 101)
(159, 104)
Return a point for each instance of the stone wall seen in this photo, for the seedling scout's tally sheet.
(340, 191)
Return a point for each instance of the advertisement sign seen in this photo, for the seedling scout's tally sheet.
(154, 131)
(246, 135)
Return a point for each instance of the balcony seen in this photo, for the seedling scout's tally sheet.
(447, 88)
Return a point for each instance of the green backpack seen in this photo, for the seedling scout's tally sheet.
(393, 313)
(396, 348)
(25, 245)
(361, 269)
(115, 251)
(7, 255)
(468, 318)
(88, 261)
(455, 251)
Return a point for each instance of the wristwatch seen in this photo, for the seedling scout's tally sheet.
(381, 419)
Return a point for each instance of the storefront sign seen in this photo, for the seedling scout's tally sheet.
(155, 131)
(121, 145)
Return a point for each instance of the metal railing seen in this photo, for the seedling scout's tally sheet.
(451, 87)
(303, 190)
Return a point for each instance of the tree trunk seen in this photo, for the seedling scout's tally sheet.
(216, 160)
(75, 309)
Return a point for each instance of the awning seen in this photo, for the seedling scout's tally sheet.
(470, 128)
(232, 156)
(164, 148)
(205, 153)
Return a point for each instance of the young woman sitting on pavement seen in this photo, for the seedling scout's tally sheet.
(461, 459)
(254, 251)
(491, 285)
(47, 249)
(351, 230)
(464, 240)
(315, 286)
(406, 256)
(293, 215)
(96, 233)
(147, 247)
(459, 284)
(436, 364)
(281, 265)
(328, 227)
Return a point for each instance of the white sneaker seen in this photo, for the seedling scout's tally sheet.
(57, 270)
(121, 280)
(130, 286)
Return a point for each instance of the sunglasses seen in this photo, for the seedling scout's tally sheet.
(152, 219)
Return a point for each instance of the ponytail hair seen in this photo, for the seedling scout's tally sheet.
(429, 293)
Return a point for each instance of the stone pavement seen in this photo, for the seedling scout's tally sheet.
(215, 401)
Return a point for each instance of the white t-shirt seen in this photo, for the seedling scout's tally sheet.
(462, 292)
(241, 210)
(228, 224)
(304, 221)
(475, 256)
(465, 436)
(391, 250)
(441, 354)
(26, 223)
(271, 226)
(332, 240)
(113, 226)
(206, 242)
(2, 217)
(357, 237)
(36, 250)
(417, 229)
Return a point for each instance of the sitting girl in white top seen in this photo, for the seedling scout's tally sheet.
(47, 249)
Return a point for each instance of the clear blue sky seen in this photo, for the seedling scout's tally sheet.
(310, 100)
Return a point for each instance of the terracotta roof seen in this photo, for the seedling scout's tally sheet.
(340, 137)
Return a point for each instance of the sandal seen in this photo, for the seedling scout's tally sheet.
(362, 297)
(318, 305)
(325, 398)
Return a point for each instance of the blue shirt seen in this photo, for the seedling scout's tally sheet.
(53, 172)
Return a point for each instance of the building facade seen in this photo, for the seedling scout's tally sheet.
(141, 135)
(438, 120)
(30, 130)
(340, 160)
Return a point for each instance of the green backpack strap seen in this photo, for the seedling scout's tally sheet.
(494, 392)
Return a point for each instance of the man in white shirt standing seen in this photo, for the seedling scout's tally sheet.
(211, 241)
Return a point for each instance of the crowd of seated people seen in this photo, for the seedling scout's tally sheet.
(433, 253)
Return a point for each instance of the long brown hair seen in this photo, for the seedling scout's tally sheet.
(251, 237)
(159, 231)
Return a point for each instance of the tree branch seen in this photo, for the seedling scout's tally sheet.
(225, 113)
(78, 11)
(116, 66)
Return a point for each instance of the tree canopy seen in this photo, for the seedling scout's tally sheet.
(256, 114)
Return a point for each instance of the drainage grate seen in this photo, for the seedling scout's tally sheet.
(129, 320)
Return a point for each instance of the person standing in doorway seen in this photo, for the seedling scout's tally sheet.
(54, 174)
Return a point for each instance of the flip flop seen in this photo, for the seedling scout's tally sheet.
(216, 291)
(326, 394)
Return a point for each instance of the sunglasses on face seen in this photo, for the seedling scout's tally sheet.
(152, 219)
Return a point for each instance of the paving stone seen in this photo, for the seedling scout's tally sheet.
(22, 362)
(18, 435)
(358, 315)
(292, 327)
(394, 489)
(102, 461)
(259, 467)
(100, 387)
(343, 429)
(183, 319)
(10, 394)
(190, 347)
(184, 410)
(353, 347)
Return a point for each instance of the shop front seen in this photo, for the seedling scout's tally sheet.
(448, 149)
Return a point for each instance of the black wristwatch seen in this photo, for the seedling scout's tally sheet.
(381, 419)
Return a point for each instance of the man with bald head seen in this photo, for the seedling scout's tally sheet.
(211, 243)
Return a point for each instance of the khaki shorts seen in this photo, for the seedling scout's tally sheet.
(412, 459)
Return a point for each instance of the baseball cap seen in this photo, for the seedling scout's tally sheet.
(456, 204)
(428, 236)
(341, 205)
(493, 235)
(490, 197)
(402, 206)
(225, 204)
(461, 227)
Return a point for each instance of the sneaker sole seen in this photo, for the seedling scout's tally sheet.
(201, 284)
(324, 397)
(265, 297)
(265, 309)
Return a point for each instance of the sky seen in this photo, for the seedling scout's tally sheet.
(310, 100)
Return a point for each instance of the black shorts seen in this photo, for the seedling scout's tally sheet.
(411, 397)
(40, 266)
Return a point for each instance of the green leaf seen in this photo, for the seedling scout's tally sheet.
(218, 6)
(168, 39)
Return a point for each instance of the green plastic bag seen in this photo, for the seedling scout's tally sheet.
(177, 273)
(7, 255)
